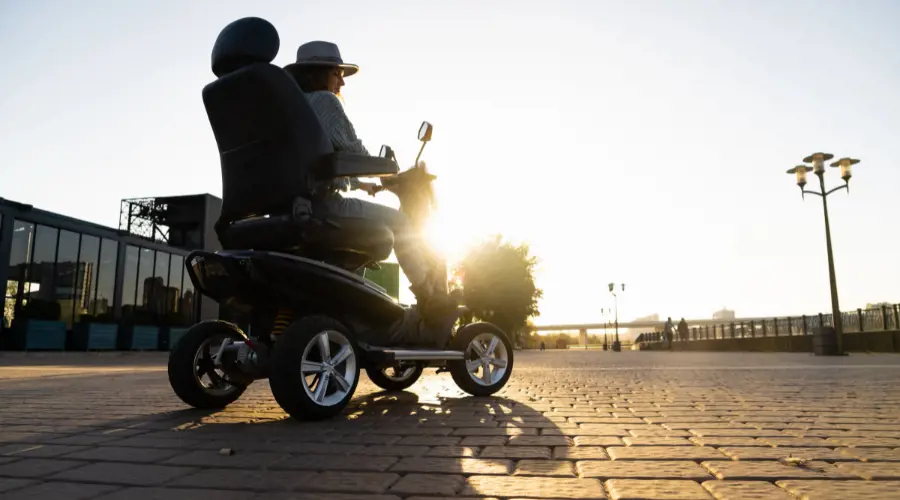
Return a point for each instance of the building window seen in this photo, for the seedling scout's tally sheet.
(176, 272)
(145, 284)
(157, 290)
(187, 300)
(41, 296)
(66, 277)
(17, 286)
(86, 283)
(106, 280)
(129, 283)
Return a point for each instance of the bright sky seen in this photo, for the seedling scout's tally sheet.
(643, 142)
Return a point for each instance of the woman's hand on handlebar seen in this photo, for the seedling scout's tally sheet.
(370, 187)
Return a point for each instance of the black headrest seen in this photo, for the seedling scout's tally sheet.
(243, 42)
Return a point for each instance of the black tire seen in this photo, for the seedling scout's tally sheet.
(458, 369)
(182, 367)
(287, 380)
(379, 378)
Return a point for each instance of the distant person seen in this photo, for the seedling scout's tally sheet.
(683, 332)
(543, 345)
(668, 331)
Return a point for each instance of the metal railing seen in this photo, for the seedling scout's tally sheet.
(882, 318)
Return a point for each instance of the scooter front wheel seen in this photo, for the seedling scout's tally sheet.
(315, 368)
(488, 360)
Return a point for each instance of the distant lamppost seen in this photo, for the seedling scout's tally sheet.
(818, 167)
(617, 346)
(603, 314)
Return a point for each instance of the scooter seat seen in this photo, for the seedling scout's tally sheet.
(312, 238)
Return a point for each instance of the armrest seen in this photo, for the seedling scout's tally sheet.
(343, 164)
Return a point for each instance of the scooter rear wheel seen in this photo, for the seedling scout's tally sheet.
(400, 378)
(192, 374)
(315, 368)
(488, 360)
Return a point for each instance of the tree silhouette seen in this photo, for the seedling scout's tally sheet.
(496, 280)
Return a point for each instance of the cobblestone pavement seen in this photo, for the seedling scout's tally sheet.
(571, 424)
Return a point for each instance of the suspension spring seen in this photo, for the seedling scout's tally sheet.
(282, 320)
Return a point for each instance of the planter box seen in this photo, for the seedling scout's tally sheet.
(169, 337)
(36, 334)
(94, 336)
(139, 338)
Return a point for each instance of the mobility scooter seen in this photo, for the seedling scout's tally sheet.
(292, 269)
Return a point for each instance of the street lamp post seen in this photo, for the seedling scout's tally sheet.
(818, 167)
(617, 346)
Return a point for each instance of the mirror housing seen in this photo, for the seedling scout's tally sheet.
(425, 132)
(387, 152)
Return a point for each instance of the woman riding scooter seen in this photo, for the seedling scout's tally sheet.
(320, 71)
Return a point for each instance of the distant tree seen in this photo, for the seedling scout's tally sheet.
(496, 280)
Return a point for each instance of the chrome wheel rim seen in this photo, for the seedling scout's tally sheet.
(328, 366)
(207, 375)
(486, 359)
(398, 373)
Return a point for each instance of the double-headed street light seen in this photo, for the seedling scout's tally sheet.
(818, 167)
(617, 346)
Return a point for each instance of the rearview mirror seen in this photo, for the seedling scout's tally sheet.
(425, 132)
(387, 152)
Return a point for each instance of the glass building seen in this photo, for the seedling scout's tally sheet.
(68, 270)
(69, 273)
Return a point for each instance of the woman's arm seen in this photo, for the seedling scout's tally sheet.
(334, 120)
(340, 131)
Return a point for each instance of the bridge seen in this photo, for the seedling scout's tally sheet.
(637, 324)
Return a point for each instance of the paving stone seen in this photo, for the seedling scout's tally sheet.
(155, 493)
(123, 454)
(872, 470)
(663, 453)
(580, 453)
(515, 452)
(8, 484)
(656, 441)
(771, 471)
(631, 489)
(266, 480)
(484, 441)
(555, 468)
(432, 484)
(430, 441)
(864, 442)
(872, 454)
(453, 465)
(746, 490)
(122, 473)
(717, 441)
(59, 490)
(533, 487)
(453, 451)
(241, 460)
(353, 482)
(760, 453)
(841, 490)
(650, 469)
(37, 467)
(797, 442)
(38, 450)
(539, 441)
(598, 441)
(656, 432)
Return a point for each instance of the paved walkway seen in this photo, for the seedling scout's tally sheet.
(571, 424)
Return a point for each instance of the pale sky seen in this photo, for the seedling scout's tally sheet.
(643, 142)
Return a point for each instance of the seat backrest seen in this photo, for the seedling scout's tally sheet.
(268, 137)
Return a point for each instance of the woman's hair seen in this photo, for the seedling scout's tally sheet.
(311, 78)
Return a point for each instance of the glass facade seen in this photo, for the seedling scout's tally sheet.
(70, 276)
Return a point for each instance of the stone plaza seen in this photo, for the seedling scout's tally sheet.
(570, 424)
